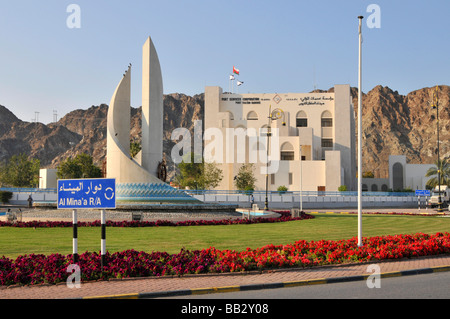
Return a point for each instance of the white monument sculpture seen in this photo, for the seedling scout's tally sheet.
(148, 166)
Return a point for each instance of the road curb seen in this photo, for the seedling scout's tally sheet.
(288, 284)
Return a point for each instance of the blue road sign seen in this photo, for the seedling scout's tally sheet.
(87, 193)
(422, 192)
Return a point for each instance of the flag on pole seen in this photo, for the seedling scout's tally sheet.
(239, 83)
(231, 77)
(236, 71)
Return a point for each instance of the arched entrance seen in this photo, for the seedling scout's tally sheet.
(397, 176)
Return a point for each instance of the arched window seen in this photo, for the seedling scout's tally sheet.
(231, 116)
(327, 130)
(374, 188)
(252, 116)
(327, 119)
(287, 152)
(301, 119)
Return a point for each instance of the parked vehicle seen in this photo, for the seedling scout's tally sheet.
(445, 196)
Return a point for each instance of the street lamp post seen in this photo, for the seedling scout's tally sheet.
(301, 180)
(273, 115)
(269, 133)
(360, 137)
(435, 105)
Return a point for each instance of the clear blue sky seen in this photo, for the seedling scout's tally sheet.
(279, 46)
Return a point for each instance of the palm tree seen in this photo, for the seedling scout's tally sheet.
(444, 167)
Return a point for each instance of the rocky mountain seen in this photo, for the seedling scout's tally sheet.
(403, 125)
(393, 124)
(84, 131)
(44, 142)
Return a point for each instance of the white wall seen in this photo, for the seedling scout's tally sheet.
(415, 175)
(47, 178)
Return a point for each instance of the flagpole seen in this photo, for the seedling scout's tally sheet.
(231, 77)
(235, 71)
(360, 137)
(232, 83)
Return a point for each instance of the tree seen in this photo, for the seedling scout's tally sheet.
(81, 166)
(5, 196)
(245, 179)
(69, 169)
(190, 171)
(20, 171)
(212, 176)
(196, 174)
(444, 167)
(135, 148)
(368, 174)
(282, 189)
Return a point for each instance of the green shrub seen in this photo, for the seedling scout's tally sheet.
(5, 196)
(249, 190)
(282, 189)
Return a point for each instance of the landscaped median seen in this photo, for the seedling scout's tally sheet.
(284, 216)
(52, 269)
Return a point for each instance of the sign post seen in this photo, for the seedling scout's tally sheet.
(422, 192)
(87, 194)
(103, 240)
(75, 236)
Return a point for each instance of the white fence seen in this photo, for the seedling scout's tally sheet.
(276, 200)
(20, 196)
(291, 200)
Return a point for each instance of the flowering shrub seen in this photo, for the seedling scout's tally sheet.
(35, 269)
(284, 217)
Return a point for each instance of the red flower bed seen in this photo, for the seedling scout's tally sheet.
(35, 269)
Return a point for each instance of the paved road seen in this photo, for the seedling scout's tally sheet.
(426, 286)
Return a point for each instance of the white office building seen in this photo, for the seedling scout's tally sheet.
(312, 145)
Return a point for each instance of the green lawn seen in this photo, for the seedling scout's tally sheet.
(21, 241)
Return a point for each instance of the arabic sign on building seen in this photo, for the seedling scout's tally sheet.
(299, 99)
(87, 193)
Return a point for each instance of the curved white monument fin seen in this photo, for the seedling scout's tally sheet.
(152, 108)
(120, 165)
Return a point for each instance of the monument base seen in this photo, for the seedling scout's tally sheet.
(155, 198)
(177, 208)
